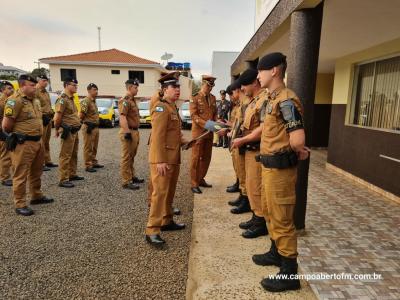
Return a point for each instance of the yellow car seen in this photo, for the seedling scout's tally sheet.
(144, 113)
(108, 111)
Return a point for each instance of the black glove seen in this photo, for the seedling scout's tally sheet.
(128, 136)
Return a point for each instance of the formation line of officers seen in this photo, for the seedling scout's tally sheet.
(264, 131)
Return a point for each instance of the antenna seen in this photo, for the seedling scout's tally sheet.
(99, 30)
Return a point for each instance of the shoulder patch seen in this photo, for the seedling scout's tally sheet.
(125, 103)
(11, 102)
(159, 109)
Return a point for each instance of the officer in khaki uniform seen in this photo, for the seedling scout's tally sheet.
(202, 108)
(67, 124)
(223, 111)
(47, 116)
(242, 204)
(23, 122)
(89, 116)
(282, 145)
(256, 226)
(129, 135)
(6, 89)
(164, 158)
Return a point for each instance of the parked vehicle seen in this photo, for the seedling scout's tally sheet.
(184, 113)
(144, 113)
(108, 111)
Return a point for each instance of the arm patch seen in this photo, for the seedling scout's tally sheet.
(291, 116)
(159, 109)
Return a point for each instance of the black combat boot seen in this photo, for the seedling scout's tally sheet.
(258, 228)
(270, 258)
(234, 188)
(243, 207)
(237, 201)
(249, 223)
(283, 282)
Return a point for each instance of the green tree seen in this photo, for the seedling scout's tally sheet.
(8, 77)
(42, 71)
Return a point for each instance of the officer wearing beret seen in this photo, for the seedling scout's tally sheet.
(6, 89)
(164, 158)
(202, 108)
(23, 122)
(256, 226)
(241, 204)
(89, 116)
(67, 124)
(282, 145)
(47, 116)
(129, 135)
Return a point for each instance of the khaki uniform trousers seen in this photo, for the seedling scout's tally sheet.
(27, 161)
(68, 160)
(241, 163)
(128, 153)
(280, 196)
(234, 154)
(253, 186)
(201, 158)
(164, 187)
(46, 142)
(90, 145)
(5, 162)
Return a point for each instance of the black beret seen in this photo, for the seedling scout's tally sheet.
(70, 80)
(271, 60)
(44, 77)
(229, 90)
(132, 81)
(27, 77)
(222, 92)
(4, 83)
(92, 85)
(235, 85)
(248, 77)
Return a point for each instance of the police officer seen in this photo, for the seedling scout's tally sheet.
(282, 145)
(242, 204)
(164, 158)
(256, 226)
(89, 116)
(23, 121)
(47, 116)
(223, 110)
(202, 109)
(129, 135)
(67, 123)
(6, 89)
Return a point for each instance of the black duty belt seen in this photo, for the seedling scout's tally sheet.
(282, 160)
(33, 138)
(75, 129)
(133, 128)
(91, 124)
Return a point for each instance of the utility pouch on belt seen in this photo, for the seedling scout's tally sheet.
(3, 136)
(90, 127)
(242, 150)
(66, 131)
(253, 146)
(12, 140)
(281, 160)
(46, 120)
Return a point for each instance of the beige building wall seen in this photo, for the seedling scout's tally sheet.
(324, 88)
(109, 84)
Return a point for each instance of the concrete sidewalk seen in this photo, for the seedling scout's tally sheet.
(220, 265)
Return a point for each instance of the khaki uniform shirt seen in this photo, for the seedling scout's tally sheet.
(45, 102)
(128, 108)
(252, 114)
(166, 136)
(90, 110)
(3, 100)
(202, 108)
(274, 137)
(66, 106)
(26, 113)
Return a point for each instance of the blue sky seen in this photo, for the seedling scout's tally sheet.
(188, 29)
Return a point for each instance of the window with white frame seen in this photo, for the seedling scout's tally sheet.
(376, 94)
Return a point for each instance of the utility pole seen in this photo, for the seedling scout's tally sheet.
(38, 64)
(99, 30)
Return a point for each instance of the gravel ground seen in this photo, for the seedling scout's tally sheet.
(90, 242)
